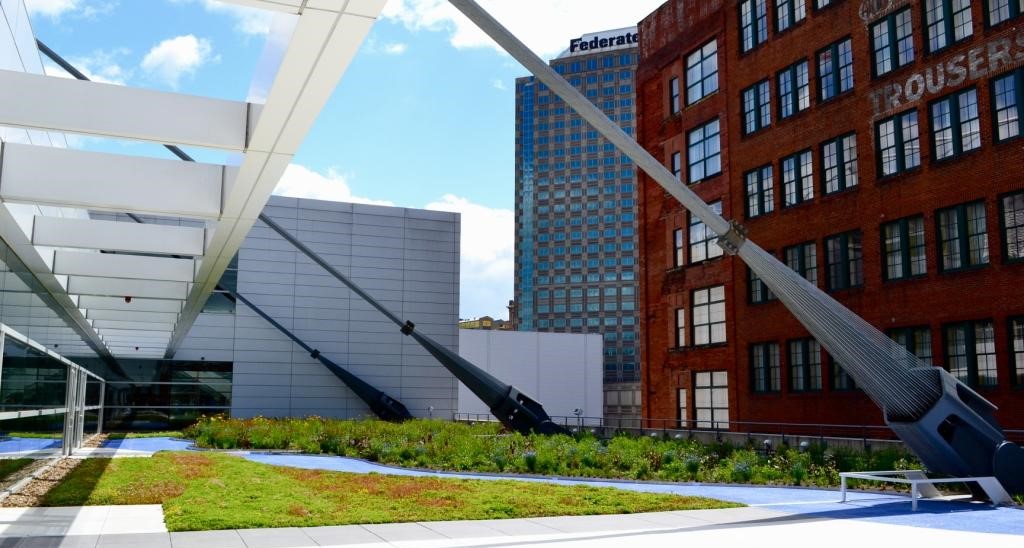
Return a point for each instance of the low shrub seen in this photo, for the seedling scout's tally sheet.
(486, 447)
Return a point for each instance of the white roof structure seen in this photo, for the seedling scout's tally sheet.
(134, 290)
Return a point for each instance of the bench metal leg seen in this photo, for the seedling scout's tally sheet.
(842, 488)
(913, 497)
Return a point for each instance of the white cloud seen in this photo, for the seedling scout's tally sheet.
(396, 48)
(52, 8)
(171, 59)
(544, 25)
(250, 21)
(55, 9)
(99, 66)
(487, 256)
(301, 182)
(498, 84)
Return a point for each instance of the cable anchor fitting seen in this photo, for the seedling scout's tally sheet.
(732, 241)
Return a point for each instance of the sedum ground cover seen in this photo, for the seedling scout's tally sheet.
(203, 491)
(484, 447)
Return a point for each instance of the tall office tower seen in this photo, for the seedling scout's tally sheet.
(575, 211)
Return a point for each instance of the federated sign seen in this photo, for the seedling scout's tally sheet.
(991, 58)
(604, 40)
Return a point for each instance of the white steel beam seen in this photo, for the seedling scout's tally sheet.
(38, 270)
(110, 265)
(111, 334)
(124, 315)
(111, 182)
(91, 302)
(123, 325)
(118, 236)
(323, 43)
(91, 108)
(120, 287)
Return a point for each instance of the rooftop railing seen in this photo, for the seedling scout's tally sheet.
(36, 381)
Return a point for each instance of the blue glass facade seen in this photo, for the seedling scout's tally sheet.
(575, 210)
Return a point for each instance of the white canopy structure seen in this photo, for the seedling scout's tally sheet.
(135, 291)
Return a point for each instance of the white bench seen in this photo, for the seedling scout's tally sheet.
(921, 486)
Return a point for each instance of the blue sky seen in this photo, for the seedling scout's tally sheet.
(424, 117)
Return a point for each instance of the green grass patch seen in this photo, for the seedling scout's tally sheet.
(486, 447)
(39, 435)
(10, 466)
(159, 434)
(218, 491)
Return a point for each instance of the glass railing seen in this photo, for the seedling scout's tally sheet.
(41, 390)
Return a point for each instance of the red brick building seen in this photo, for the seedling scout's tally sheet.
(874, 146)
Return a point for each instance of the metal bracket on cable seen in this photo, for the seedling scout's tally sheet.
(315, 354)
(733, 240)
(408, 328)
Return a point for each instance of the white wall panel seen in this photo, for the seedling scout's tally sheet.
(560, 370)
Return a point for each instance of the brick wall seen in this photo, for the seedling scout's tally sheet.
(992, 292)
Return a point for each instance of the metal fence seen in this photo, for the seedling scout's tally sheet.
(41, 383)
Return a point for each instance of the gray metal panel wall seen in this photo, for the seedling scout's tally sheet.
(408, 259)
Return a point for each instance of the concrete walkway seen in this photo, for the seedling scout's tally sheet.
(134, 526)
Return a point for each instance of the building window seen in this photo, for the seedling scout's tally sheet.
(1008, 94)
(680, 327)
(797, 179)
(917, 341)
(711, 399)
(1017, 351)
(683, 416)
(673, 95)
(903, 249)
(971, 352)
(709, 315)
(702, 239)
(759, 292)
(946, 21)
(963, 237)
(839, 163)
(702, 72)
(899, 143)
(803, 259)
(835, 69)
(760, 191)
(841, 380)
(764, 368)
(892, 42)
(794, 89)
(704, 155)
(844, 260)
(757, 112)
(753, 23)
(955, 125)
(1011, 217)
(1002, 10)
(678, 247)
(789, 13)
(677, 165)
(818, 4)
(804, 365)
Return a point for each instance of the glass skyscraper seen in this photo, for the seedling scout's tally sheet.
(575, 211)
